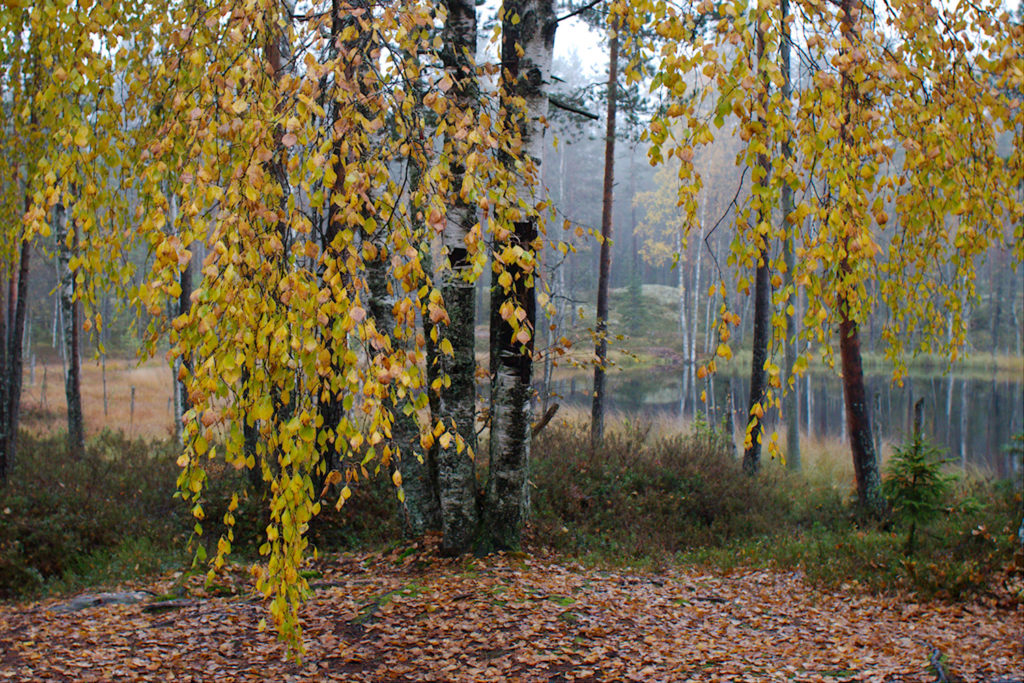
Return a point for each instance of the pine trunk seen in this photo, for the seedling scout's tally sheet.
(605, 264)
(526, 59)
(858, 422)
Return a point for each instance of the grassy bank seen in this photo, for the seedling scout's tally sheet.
(653, 499)
(649, 497)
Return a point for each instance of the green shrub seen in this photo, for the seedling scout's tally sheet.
(915, 486)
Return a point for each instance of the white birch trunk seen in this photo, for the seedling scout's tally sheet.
(526, 57)
(692, 354)
(69, 337)
(684, 328)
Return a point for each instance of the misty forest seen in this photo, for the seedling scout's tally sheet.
(531, 340)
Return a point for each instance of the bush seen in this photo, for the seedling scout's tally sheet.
(56, 511)
(915, 485)
(113, 514)
(637, 496)
(685, 498)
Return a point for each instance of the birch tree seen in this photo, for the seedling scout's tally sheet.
(461, 241)
(527, 41)
(71, 349)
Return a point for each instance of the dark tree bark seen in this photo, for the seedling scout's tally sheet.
(526, 60)
(605, 267)
(182, 364)
(858, 422)
(421, 503)
(6, 307)
(12, 328)
(762, 305)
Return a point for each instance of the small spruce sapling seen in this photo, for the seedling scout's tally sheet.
(915, 486)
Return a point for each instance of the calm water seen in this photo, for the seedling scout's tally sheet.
(971, 419)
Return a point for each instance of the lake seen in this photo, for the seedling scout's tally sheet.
(971, 419)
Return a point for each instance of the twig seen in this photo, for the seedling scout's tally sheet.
(935, 659)
(580, 10)
(569, 107)
(543, 422)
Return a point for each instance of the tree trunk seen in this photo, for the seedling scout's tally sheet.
(6, 374)
(691, 356)
(684, 328)
(792, 404)
(182, 364)
(762, 310)
(70, 340)
(12, 325)
(456, 473)
(605, 265)
(858, 423)
(809, 405)
(420, 507)
(996, 285)
(526, 57)
(330, 404)
(1016, 323)
(557, 295)
(963, 422)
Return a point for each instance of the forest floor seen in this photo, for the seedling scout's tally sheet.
(405, 615)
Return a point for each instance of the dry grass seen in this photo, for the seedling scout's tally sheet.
(44, 406)
(825, 461)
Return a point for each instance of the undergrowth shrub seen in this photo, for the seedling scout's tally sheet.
(966, 552)
(685, 498)
(57, 512)
(916, 486)
(113, 514)
(637, 495)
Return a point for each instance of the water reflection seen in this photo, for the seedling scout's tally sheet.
(972, 419)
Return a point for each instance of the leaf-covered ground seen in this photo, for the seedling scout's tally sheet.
(405, 617)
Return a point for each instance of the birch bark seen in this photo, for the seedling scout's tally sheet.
(456, 473)
(66, 243)
(526, 59)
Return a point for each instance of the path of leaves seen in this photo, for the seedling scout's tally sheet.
(399, 618)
